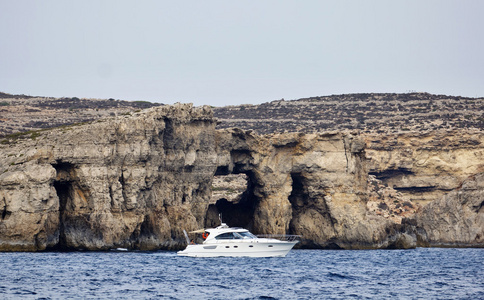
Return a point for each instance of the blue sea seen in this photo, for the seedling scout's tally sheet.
(303, 274)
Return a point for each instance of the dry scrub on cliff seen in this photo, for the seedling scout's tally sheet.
(20, 113)
(370, 113)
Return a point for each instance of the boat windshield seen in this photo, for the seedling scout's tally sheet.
(228, 236)
(235, 236)
(246, 235)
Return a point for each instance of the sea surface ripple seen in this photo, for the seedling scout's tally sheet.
(303, 274)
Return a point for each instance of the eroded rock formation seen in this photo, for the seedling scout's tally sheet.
(426, 166)
(138, 181)
(457, 219)
(122, 182)
(313, 185)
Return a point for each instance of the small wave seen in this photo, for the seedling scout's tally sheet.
(341, 276)
(24, 292)
(222, 286)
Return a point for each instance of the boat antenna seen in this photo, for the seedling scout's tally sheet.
(220, 218)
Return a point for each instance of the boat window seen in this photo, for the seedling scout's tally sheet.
(227, 236)
(246, 235)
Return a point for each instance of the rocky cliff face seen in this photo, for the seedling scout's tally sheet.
(313, 185)
(131, 181)
(137, 181)
(425, 166)
(419, 144)
(457, 219)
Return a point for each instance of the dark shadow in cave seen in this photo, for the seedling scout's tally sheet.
(63, 192)
(234, 214)
(5, 213)
(301, 201)
(63, 187)
(298, 198)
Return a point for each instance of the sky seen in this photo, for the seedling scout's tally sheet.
(240, 52)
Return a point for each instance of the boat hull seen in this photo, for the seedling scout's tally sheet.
(239, 249)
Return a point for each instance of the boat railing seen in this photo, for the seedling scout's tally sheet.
(281, 237)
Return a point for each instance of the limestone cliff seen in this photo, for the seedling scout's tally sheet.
(457, 219)
(313, 185)
(425, 166)
(130, 181)
(136, 181)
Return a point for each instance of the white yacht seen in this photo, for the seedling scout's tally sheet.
(229, 241)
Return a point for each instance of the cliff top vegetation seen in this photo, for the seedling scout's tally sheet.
(22, 113)
(369, 113)
(376, 113)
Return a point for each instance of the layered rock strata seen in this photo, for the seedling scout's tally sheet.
(137, 181)
(313, 185)
(425, 166)
(131, 181)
